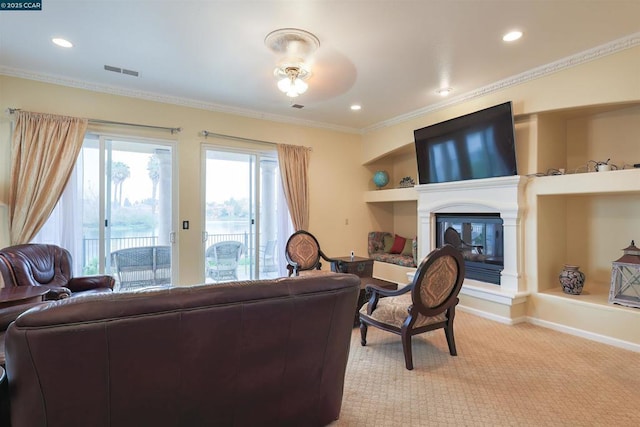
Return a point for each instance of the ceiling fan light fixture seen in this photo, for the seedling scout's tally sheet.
(293, 46)
(292, 83)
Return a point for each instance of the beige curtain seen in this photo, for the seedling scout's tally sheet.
(294, 169)
(43, 152)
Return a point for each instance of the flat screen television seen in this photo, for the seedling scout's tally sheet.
(473, 146)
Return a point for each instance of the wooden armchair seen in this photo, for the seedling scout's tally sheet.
(426, 304)
(303, 253)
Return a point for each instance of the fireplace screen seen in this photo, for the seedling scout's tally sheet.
(479, 238)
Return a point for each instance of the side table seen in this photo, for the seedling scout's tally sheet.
(363, 268)
(15, 295)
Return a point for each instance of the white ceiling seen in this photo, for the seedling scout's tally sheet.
(389, 56)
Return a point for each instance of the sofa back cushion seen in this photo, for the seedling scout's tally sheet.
(243, 353)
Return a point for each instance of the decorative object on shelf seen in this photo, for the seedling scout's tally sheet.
(571, 279)
(625, 278)
(407, 182)
(380, 179)
(602, 166)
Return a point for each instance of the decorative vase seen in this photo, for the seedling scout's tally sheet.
(571, 279)
(380, 179)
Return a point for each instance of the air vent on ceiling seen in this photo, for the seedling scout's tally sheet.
(121, 70)
(298, 106)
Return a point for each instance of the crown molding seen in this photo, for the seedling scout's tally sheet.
(615, 46)
(165, 99)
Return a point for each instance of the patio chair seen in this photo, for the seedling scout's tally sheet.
(222, 260)
(269, 256)
(142, 266)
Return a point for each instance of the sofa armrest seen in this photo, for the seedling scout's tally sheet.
(56, 292)
(86, 283)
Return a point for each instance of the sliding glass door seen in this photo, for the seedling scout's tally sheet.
(240, 237)
(130, 234)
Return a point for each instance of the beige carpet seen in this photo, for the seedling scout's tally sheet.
(521, 375)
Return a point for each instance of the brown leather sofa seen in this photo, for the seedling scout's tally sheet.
(261, 353)
(50, 266)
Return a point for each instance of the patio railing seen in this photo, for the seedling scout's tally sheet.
(90, 247)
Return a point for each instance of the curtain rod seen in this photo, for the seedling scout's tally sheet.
(206, 134)
(108, 122)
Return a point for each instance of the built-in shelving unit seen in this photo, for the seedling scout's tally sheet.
(591, 183)
(391, 195)
(581, 217)
(585, 218)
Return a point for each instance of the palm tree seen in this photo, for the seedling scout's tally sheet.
(119, 172)
(153, 166)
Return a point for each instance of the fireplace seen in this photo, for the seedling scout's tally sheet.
(498, 199)
(480, 239)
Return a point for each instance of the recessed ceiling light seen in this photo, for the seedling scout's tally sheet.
(356, 107)
(62, 42)
(444, 91)
(512, 36)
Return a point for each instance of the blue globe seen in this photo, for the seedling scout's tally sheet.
(380, 178)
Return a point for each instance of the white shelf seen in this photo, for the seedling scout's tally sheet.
(391, 195)
(620, 181)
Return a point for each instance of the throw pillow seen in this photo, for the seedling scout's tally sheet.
(388, 243)
(398, 244)
(408, 248)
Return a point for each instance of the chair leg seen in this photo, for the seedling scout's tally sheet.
(448, 332)
(363, 333)
(406, 348)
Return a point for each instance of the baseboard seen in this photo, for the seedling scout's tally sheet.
(491, 316)
(555, 326)
(586, 334)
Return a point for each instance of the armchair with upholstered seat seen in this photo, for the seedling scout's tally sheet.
(303, 253)
(48, 265)
(426, 304)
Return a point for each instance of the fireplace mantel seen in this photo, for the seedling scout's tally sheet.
(504, 196)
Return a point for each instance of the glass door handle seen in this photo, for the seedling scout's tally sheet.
(172, 237)
(205, 236)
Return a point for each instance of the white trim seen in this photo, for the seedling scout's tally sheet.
(603, 339)
(491, 316)
(628, 42)
(585, 334)
(597, 52)
(494, 295)
(166, 99)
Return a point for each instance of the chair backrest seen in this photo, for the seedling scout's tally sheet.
(227, 252)
(303, 249)
(35, 264)
(438, 281)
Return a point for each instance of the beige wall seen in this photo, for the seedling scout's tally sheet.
(582, 229)
(337, 177)
(612, 78)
